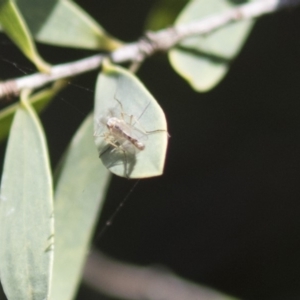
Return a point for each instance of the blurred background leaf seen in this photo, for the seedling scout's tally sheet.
(15, 27)
(64, 23)
(204, 60)
(80, 191)
(164, 13)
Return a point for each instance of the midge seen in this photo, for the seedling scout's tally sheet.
(120, 133)
(118, 129)
(123, 134)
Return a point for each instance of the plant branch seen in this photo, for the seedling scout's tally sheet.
(137, 52)
(126, 281)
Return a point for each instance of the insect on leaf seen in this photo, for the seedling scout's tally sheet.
(130, 127)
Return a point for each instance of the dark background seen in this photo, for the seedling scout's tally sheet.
(226, 212)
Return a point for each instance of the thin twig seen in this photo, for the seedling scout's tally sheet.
(127, 281)
(14, 86)
(162, 40)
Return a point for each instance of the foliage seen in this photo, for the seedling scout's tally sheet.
(26, 209)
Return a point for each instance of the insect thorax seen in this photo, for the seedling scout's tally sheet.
(121, 132)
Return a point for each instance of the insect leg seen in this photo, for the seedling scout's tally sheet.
(121, 105)
(136, 121)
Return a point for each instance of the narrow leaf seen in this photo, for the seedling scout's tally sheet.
(15, 27)
(120, 95)
(79, 195)
(204, 60)
(26, 211)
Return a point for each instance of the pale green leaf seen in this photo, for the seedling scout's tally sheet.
(64, 23)
(79, 195)
(38, 100)
(121, 95)
(15, 27)
(204, 60)
(26, 211)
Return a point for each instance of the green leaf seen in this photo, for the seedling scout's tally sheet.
(79, 196)
(121, 95)
(26, 211)
(38, 100)
(64, 23)
(204, 60)
(15, 27)
(164, 13)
